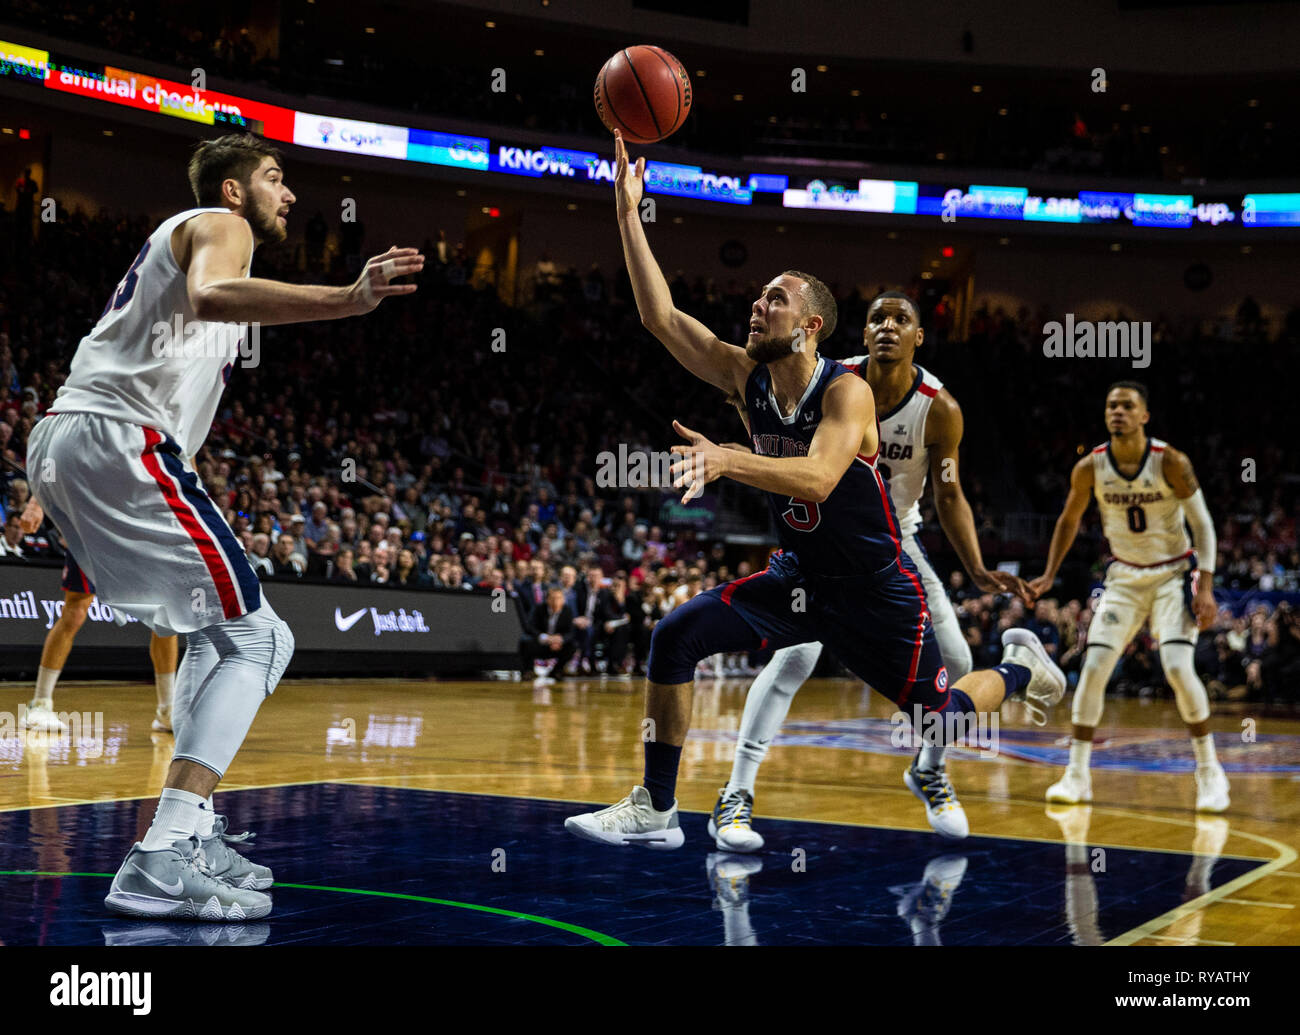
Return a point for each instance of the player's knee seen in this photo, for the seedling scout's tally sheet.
(1179, 664)
(790, 667)
(261, 638)
(74, 613)
(1090, 695)
(1177, 659)
(674, 650)
(282, 648)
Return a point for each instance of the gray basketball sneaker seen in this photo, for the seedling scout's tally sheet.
(227, 864)
(630, 821)
(1046, 680)
(174, 882)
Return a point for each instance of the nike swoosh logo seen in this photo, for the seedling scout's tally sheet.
(344, 624)
(171, 889)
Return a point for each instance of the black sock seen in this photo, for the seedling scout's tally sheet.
(1016, 677)
(661, 773)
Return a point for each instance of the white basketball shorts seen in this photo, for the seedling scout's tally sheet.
(1131, 595)
(139, 523)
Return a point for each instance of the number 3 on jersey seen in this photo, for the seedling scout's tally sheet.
(127, 287)
(802, 515)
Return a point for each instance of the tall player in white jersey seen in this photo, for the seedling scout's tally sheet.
(920, 432)
(1147, 494)
(112, 465)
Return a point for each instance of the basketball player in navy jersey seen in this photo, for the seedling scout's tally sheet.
(921, 431)
(840, 577)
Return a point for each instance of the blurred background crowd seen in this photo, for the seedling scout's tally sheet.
(401, 450)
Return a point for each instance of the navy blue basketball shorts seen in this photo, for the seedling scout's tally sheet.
(74, 579)
(878, 625)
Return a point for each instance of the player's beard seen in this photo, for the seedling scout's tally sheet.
(266, 226)
(770, 348)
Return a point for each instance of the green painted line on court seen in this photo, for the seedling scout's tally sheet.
(48, 873)
(584, 932)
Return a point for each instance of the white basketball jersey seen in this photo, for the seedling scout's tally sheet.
(904, 459)
(1141, 517)
(149, 360)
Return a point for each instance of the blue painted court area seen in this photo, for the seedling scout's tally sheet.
(360, 865)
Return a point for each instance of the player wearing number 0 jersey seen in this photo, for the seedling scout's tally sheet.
(1147, 495)
(109, 465)
(840, 575)
(920, 432)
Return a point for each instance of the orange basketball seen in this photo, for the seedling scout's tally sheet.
(645, 92)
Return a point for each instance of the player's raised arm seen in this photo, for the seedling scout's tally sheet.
(946, 423)
(1067, 525)
(214, 250)
(696, 347)
(848, 415)
(1179, 474)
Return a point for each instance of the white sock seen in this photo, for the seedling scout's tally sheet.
(177, 818)
(931, 757)
(1080, 755)
(744, 768)
(45, 680)
(165, 684)
(1204, 750)
(766, 706)
(204, 828)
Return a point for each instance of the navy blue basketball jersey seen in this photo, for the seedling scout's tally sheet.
(855, 530)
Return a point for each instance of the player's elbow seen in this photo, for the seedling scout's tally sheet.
(656, 323)
(947, 498)
(821, 488)
(206, 305)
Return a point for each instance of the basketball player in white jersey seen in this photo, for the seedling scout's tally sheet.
(1147, 494)
(109, 465)
(920, 432)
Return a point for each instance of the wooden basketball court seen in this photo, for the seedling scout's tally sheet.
(399, 757)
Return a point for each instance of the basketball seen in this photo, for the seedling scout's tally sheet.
(645, 92)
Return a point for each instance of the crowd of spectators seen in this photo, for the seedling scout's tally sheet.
(315, 53)
(404, 450)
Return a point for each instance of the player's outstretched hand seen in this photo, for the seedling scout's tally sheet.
(31, 518)
(1041, 585)
(629, 180)
(698, 463)
(375, 283)
(1005, 582)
